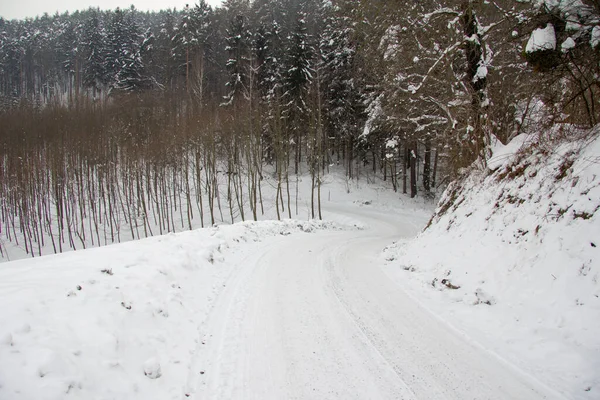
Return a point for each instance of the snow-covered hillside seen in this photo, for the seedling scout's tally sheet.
(512, 259)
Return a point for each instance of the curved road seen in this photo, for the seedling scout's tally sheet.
(312, 316)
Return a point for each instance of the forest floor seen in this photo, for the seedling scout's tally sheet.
(256, 310)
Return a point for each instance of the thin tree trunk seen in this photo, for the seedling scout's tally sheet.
(427, 165)
(413, 171)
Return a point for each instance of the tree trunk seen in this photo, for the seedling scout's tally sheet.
(405, 166)
(413, 171)
(474, 51)
(435, 165)
(427, 165)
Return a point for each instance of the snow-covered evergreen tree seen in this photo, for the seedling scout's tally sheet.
(190, 41)
(94, 53)
(343, 105)
(297, 77)
(68, 52)
(126, 53)
(163, 64)
(238, 48)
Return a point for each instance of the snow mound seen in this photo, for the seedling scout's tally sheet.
(512, 258)
(152, 368)
(542, 39)
(503, 154)
(122, 321)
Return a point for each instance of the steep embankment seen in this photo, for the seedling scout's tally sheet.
(512, 259)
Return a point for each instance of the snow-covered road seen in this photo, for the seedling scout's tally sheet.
(314, 317)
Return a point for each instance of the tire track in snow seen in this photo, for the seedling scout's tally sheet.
(312, 317)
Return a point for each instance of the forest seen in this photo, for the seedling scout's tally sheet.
(122, 122)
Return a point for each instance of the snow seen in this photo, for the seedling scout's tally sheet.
(569, 7)
(119, 321)
(595, 38)
(513, 261)
(502, 154)
(135, 320)
(483, 304)
(152, 368)
(542, 39)
(481, 73)
(391, 143)
(125, 231)
(389, 43)
(374, 111)
(567, 45)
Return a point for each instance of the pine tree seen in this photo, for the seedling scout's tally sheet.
(10, 62)
(296, 82)
(69, 57)
(190, 40)
(343, 100)
(94, 52)
(163, 64)
(117, 45)
(202, 20)
(238, 64)
(127, 54)
(268, 57)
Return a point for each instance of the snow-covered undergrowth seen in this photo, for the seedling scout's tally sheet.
(512, 259)
(122, 321)
(335, 187)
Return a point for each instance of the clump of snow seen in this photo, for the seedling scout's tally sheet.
(152, 368)
(595, 39)
(520, 244)
(391, 143)
(502, 154)
(374, 111)
(570, 8)
(542, 39)
(481, 73)
(567, 45)
(389, 43)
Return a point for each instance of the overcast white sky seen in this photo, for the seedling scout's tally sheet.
(10, 9)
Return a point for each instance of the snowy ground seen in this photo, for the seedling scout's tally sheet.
(515, 263)
(128, 321)
(294, 310)
(122, 321)
(316, 318)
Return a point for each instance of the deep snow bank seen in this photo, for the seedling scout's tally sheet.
(119, 322)
(512, 259)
